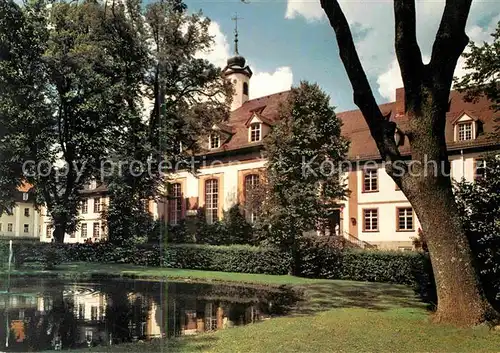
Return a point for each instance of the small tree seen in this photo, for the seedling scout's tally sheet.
(238, 230)
(304, 151)
(479, 206)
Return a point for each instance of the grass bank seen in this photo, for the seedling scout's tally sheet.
(335, 316)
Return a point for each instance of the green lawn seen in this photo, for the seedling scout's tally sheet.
(335, 316)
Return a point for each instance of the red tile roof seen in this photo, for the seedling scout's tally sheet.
(363, 146)
(267, 107)
(354, 126)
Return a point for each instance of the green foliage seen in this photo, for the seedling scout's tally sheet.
(479, 207)
(483, 62)
(238, 230)
(73, 79)
(4, 254)
(322, 259)
(235, 258)
(304, 151)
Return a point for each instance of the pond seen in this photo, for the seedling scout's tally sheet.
(43, 314)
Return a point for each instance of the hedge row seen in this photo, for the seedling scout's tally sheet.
(234, 258)
(317, 260)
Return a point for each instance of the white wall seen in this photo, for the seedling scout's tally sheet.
(18, 220)
(230, 180)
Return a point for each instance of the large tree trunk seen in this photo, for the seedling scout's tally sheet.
(58, 233)
(461, 300)
(429, 190)
(428, 187)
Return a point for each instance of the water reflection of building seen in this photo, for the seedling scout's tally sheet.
(55, 315)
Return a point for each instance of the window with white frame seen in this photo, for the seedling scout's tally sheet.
(48, 231)
(25, 196)
(83, 231)
(26, 228)
(252, 181)
(97, 205)
(370, 220)
(214, 140)
(255, 132)
(480, 169)
(465, 131)
(370, 180)
(85, 206)
(97, 228)
(175, 203)
(26, 212)
(212, 200)
(405, 219)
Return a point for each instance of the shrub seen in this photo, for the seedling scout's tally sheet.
(235, 258)
(4, 254)
(239, 231)
(331, 260)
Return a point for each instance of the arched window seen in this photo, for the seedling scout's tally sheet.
(252, 182)
(175, 204)
(245, 88)
(212, 200)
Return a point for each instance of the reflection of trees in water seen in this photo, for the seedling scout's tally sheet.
(42, 328)
(134, 309)
(126, 313)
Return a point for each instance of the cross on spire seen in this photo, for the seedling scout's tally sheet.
(235, 19)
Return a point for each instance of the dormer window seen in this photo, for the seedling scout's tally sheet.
(465, 131)
(255, 132)
(214, 141)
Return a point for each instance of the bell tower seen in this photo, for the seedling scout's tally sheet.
(238, 73)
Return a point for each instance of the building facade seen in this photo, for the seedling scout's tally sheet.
(376, 212)
(23, 220)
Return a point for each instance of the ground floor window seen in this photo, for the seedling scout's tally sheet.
(370, 220)
(84, 230)
(97, 228)
(212, 200)
(405, 219)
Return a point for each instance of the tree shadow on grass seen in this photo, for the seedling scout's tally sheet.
(346, 294)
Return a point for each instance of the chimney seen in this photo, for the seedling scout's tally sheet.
(400, 101)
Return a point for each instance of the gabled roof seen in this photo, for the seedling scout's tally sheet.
(268, 109)
(261, 117)
(462, 113)
(354, 127)
(363, 146)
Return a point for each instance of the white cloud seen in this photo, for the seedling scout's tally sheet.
(373, 24)
(389, 80)
(219, 52)
(311, 10)
(262, 82)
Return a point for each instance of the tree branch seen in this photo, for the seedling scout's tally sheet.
(450, 42)
(381, 129)
(408, 52)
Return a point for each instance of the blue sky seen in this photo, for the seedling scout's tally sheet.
(286, 41)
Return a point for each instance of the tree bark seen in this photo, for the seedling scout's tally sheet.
(426, 181)
(58, 234)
